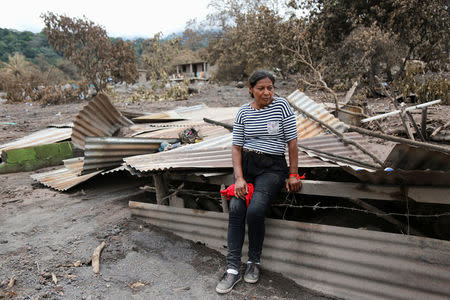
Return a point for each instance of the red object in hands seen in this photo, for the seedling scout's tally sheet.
(229, 192)
(298, 176)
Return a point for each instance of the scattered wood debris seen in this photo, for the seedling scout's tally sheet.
(54, 279)
(96, 258)
(137, 284)
(77, 263)
(11, 283)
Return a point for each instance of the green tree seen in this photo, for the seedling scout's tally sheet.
(88, 47)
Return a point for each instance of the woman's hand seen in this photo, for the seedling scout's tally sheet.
(240, 188)
(293, 184)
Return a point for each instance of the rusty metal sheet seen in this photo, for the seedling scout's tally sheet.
(343, 262)
(98, 118)
(108, 152)
(41, 137)
(310, 128)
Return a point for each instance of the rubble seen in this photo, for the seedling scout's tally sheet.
(344, 170)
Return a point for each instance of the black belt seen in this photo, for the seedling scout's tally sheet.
(262, 153)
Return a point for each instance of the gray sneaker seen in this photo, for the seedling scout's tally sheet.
(227, 283)
(252, 273)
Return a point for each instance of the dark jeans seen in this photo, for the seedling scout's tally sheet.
(267, 187)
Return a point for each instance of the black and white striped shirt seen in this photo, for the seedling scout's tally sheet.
(267, 129)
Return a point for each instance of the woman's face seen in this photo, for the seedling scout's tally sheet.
(262, 92)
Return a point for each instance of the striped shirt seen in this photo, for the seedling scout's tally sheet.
(267, 129)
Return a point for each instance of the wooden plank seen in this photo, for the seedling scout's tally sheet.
(424, 194)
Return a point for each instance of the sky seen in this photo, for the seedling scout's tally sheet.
(126, 18)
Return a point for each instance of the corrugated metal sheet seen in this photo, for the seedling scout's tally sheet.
(206, 131)
(215, 113)
(344, 262)
(193, 113)
(310, 128)
(407, 157)
(66, 125)
(331, 144)
(159, 117)
(66, 177)
(217, 153)
(402, 177)
(108, 152)
(41, 137)
(205, 158)
(411, 166)
(98, 118)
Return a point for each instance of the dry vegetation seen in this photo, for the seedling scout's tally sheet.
(329, 48)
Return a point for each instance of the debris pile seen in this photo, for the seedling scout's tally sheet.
(186, 155)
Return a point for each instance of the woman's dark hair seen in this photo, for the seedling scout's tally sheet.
(258, 75)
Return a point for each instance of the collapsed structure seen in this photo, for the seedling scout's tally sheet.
(346, 262)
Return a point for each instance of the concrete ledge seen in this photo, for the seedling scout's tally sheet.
(33, 158)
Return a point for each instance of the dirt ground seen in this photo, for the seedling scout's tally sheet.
(47, 237)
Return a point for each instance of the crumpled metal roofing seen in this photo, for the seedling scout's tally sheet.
(215, 113)
(204, 158)
(331, 144)
(98, 118)
(216, 153)
(159, 117)
(41, 137)
(410, 166)
(108, 152)
(206, 131)
(310, 128)
(193, 113)
(66, 177)
(343, 262)
(66, 125)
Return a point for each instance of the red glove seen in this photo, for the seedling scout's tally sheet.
(229, 192)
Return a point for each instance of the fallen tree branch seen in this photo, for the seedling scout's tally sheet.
(370, 114)
(11, 283)
(424, 122)
(340, 135)
(399, 139)
(437, 130)
(225, 125)
(350, 93)
(398, 107)
(96, 258)
(339, 158)
(419, 133)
